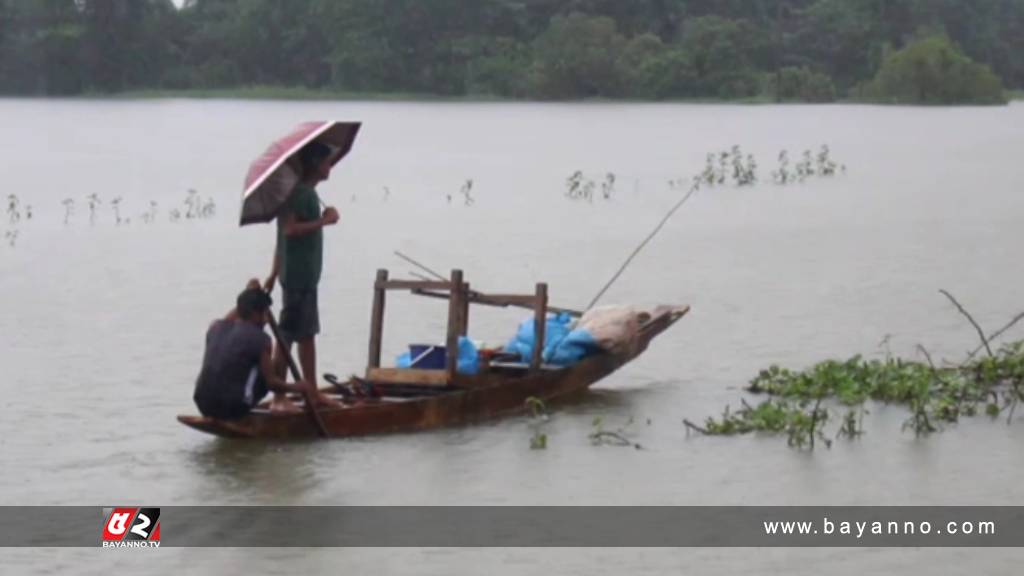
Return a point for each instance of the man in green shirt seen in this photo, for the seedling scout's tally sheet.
(298, 259)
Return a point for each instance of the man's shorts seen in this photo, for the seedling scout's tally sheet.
(300, 316)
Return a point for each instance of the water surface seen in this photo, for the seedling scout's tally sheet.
(102, 325)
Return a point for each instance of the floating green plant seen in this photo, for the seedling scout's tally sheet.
(802, 421)
(602, 437)
(538, 419)
(802, 402)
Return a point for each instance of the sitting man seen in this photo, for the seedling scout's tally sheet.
(237, 367)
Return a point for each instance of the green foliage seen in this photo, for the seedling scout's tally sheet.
(602, 437)
(933, 395)
(838, 37)
(809, 50)
(801, 421)
(793, 84)
(933, 70)
(656, 71)
(720, 52)
(578, 56)
(538, 419)
(500, 67)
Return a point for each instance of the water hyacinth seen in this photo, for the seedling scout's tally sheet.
(538, 411)
(620, 437)
(933, 395)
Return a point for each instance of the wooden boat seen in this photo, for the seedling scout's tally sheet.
(448, 398)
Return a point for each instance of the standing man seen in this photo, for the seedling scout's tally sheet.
(298, 260)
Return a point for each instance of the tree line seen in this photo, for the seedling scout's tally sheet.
(928, 51)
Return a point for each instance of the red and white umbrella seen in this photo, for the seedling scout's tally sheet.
(272, 177)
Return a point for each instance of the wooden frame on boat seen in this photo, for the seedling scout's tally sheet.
(448, 397)
(459, 297)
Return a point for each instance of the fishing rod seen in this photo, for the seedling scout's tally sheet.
(618, 273)
(646, 241)
(420, 266)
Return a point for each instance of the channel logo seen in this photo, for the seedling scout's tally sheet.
(131, 528)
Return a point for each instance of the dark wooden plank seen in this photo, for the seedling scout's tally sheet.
(539, 325)
(490, 300)
(407, 376)
(464, 312)
(454, 311)
(377, 320)
(507, 299)
(413, 285)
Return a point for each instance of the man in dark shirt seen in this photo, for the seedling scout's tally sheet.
(298, 259)
(237, 368)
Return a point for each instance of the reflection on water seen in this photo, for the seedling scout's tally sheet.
(251, 470)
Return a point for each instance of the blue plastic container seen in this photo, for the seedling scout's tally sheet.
(427, 357)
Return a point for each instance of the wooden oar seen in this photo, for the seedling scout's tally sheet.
(314, 416)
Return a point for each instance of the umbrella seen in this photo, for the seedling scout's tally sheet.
(273, 175)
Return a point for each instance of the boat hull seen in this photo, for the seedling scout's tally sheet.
(481, 398)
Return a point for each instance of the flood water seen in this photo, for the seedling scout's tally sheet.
(102, 325)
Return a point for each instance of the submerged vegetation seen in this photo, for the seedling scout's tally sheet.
(801, 403)
(538, 411)
(196, 207)
(580, 187)
(771, 50)
(721, 168)
(810, 165)
(619, 437)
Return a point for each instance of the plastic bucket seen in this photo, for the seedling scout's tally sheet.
(427, 356)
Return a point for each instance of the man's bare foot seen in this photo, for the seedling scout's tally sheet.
(283, 404)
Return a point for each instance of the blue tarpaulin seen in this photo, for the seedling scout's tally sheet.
(563, 346)
(468, 361)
